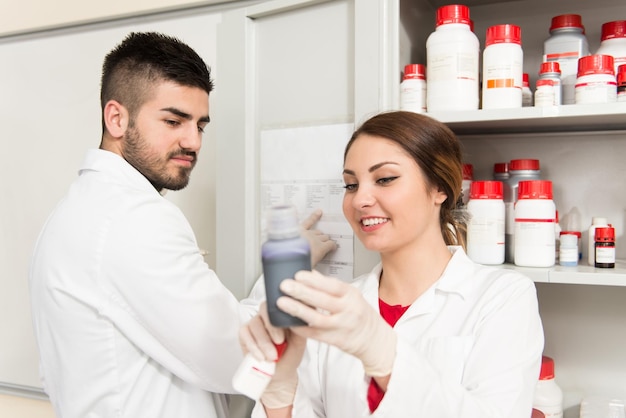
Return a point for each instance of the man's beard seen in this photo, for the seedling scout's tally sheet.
(139, 154)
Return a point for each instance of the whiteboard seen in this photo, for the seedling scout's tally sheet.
(50, 116)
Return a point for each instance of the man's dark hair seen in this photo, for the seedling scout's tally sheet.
(141, 59)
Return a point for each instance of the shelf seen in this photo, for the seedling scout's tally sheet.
(565, 118)
(581, 274)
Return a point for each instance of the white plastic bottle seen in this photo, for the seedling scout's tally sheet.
(596, 82)
(549, 89)
(527, 94)
(452, 59)
(252, 376)
(566, 44)
(519, 169)
(596, 221)
(413, 88)
(572, 225)
(535, 214)
(548, 396)
(568, 249)
(613, 42)
(485, 230)
(503, 60)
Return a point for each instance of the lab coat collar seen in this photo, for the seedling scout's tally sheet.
(116, 168)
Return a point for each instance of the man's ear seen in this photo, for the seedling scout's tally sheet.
(116, 118)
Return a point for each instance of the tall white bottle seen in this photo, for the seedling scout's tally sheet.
(548, 396)
(452, 60)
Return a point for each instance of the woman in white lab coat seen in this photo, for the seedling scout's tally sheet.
(428, 332)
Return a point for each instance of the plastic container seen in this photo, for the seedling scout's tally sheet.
(549, 89)
(282, 255)
(535, 214)
(527, 94)
(548, 396)
(613, 42)
(501, 171)
(566, 44)
(596, 82)
(621, 83)
(596, 221)
(468, 177)
(605, 247)
(568, 249)
(413, 88)
(452, 59)
(252, 376)
(503, 60)
(485, 229)
(519, 169)
(572, 225)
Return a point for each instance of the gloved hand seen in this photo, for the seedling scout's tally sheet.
(337, 314)
(320, 243)
(258, 337)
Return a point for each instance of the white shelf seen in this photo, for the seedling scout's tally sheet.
(581, 274)
(565, 118)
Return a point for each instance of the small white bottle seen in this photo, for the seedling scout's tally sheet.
(253, 376)
(596, 82)
(572, 225)
(485, 229)
(596, 221)
(535, 214)
(568, 249)
(413, 88)
(549, 88)
(613, 42)
(527, 94)
(503, 59)
(548, 396)
(452, 60)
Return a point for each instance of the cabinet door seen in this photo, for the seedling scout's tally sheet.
(288, 64)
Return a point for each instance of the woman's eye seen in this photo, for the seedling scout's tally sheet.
(350, 187)
(386, 180)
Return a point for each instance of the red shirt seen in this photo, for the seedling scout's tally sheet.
(391, 314)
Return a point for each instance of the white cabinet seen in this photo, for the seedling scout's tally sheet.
(302, 62)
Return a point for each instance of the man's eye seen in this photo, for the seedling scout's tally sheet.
(172, 122)
(350, 187)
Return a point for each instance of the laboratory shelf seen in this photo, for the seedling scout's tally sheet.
(581, 274)
(565, 118)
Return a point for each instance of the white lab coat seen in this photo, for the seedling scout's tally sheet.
(129, 319)
(468, 347)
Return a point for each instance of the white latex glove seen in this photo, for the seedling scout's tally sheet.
(320, 243)
(337, 314)
(258, 337)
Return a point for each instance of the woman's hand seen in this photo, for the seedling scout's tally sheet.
(337, 314)
(320, 243)
(260, 338)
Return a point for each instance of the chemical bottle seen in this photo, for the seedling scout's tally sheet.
(501, 171)
(605, 247)
(283, 254)
(503, 60)
(485, 230)
(568, 249)
(252, 376)
(548, 396)
(613, 42)
(519, 169)
(566, 44)
(527, 94)
(621, 83)
(549, 89)
(468, 176)
(535, 214)
(413, 88)
(572, 225)
(596, 221)
(452, 59)
(596, 82)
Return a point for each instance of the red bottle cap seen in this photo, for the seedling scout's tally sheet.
(605, 234)
(567, 21)
(621, 75)
(501, 168)
(453, 13)
(500, 34)
(550, 67)
(525, 80)
(468, 172)
(486, 189)
(524, 164)
(547, 368)
(414, 71)
(534, 189)
(596, 64)
(616, 29)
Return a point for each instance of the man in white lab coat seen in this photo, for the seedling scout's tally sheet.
(129, 319)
